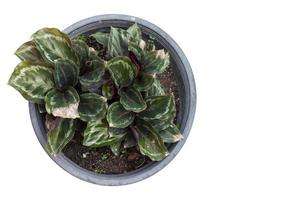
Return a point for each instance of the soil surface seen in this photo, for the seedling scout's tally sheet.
(102, 160)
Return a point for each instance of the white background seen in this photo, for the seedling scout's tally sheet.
(245, 142)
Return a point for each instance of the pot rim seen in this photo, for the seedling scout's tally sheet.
(143, 172)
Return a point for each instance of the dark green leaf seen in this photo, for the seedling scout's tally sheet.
(115, 148)
(29, 52)
(65, 73)
(108, 90)
(143, 82)
(54, 44)
(158, 107)
(155, 90)
(170, 134)
(149, 45)
(149, 142)
(60, 136)
(135, 33)
(62, 103)
(41, 108)
(82, 50)
(101, 38)
(92, 107)
(94, 75)
(122, 71)
(129, 141)
(155, 62)
(118, 117)
(132, 100)
(32, 80)
(118, 42)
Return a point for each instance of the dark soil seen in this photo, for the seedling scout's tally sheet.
(102, 160)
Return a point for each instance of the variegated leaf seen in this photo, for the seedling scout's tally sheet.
(135, 33)
(118, 42)
(92, 107)
(93, 75)
(108, 90)
(65, 73)
(132, 100)
(150, 143)
(136, 50)
(170, 134)
(29, 52)
(60, 136)
(122, 71)
(32, 80)
(159, 124)
(81, 49)
(118, 117)
(54, 44)
(143, 82)
(155, 62)
(101, 38)
(98, 134)
(62, 103)
(156, 89)
(158, 107)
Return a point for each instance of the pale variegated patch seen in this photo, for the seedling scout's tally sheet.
(71, 111)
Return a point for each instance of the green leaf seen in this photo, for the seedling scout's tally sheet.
(155, 90)
(136, 50)
(149, 45)
(132, 100)
(65, 73)
(29, 52)
(94, 75)
(62, 103)
(54, 44)
(118, 117)
(155, 62)
(92, 107)
(135, 33)
(122, 71)
(118, 42)
(101, 38)
(81, 49)
(129, 141)
(115, 148)
(108, 90)
(143, 82)
(149, 142)
(32, 80)
(98, 134)
(83, 38)
(60, 136)
(158, 107)
(159, 124)
(170, 134)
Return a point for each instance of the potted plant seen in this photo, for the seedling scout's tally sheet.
(112, 97)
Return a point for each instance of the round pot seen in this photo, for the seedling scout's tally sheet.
(187, 95)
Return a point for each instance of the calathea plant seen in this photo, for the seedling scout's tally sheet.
(115, 92)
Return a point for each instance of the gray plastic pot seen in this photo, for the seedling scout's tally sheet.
(187, 94)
